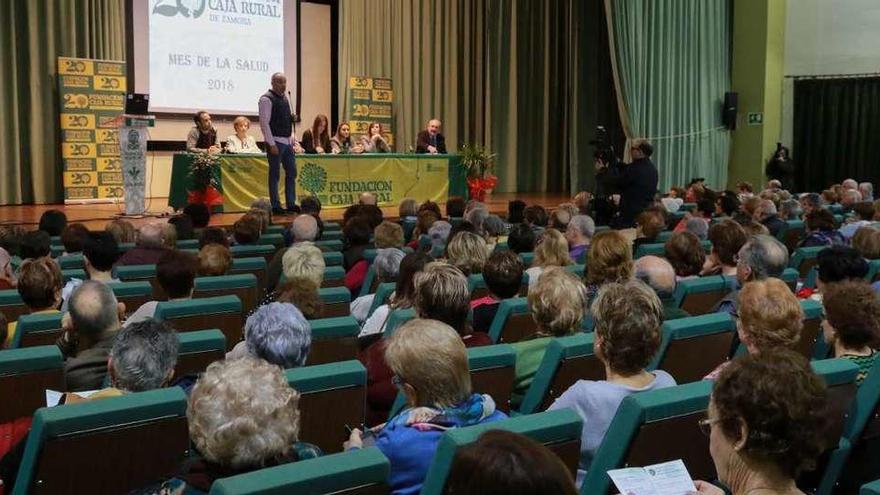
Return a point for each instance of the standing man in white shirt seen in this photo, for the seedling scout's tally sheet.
(276, 122)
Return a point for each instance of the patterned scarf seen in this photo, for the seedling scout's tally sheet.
(471, 411)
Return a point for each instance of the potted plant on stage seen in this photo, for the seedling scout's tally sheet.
(480, 165)
(203, 180)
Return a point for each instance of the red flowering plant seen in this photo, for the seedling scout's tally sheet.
(480, 165)
(203, 176)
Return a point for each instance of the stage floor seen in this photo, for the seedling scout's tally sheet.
(95, 216)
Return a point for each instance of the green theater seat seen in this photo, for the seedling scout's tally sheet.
(256, 266)
(396, 318)
(267, 251)
(382, 295)
(112, 445)
(243, 286)
(72, 273)
(699, 296)
(196, 350)
(790, 277)
(11, 305)
(656, 249)
(477, 286)
(222, 312)
(37, 329)
(337, 301)
(567, 360)
(872, 488)
(331, 396)
(804, 259)
(333, 258)
(863, 433)
(334, 276)
(333, 340)
(791, 234)
(359, 472)
(25, 375)
(272, 239)
(560, 431)
(692, 347)
(71, 261)
(527, 258)
(187, 244)
(329, 246)
(513, 321)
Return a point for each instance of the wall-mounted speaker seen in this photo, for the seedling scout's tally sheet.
(728, 112)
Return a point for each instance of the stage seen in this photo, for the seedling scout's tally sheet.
(95, 216)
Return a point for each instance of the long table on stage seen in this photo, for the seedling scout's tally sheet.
(337, 180)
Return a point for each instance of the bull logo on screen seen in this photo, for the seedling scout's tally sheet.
(186, 8)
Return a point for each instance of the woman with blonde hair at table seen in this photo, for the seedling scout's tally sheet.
(374, 140)
(241, 141)
(341, 143)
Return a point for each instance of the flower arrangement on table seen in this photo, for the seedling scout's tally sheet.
(203, 180)
(480, 165)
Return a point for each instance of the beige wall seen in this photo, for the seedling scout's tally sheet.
(315, 98)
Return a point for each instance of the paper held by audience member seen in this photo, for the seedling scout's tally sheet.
(667, 478)
(53, 397)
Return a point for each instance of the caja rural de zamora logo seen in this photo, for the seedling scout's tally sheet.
(312, 178)
(186, 8)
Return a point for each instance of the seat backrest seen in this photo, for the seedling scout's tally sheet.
(873, 271)
(804, 258)
(358, 472)
(11, 305)
(141, 273)
(67, 275)
(396, 318)
(132, 294)
(25, 375)
(513, 321)
(243, 286)
(275, 239)
(692, 347)
(267, 251)
(256, 266)
(566, 360)
(699, 296)
(222, 312)
(791, 234)
(113, 445)
(196, 350)
(71, 261)
(332, 258)
(656, 249)
(651, 427)
(383, 293)
(812, 342)
(527, 258)
(790, 277)
(331, 235)
(331, 396)
(872, 488)
(334, 276)
(559, 430)
(187, 244)
(333, 340)
(477, 286)
(37, 329)
(337, 301)
(329, 245)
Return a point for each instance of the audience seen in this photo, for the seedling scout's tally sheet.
(214, 260)
(176, 274)
(769, 318)
(52, 222)
(698, 228)
(494, 231)
(304, 228)
(441, 292)
(35, 244)
(169, 236)
(820, 231)
(74, 236)
(387, 267)
(99, 255)
(503, 276)
(863, 216)
(213, 235)
(579, 232)
(7, 272)
(199, 213)
(551, 250)
(557, 304)
(852, 323)
(247, 229)
(439, 234)
(521, 239)
(402, 297)
(763, 424)
(867, 242)
(242, 416)
(39, 285)
(627, 333)
(684, 251)
(437, 388)
(183, 226)
(727, 237)
(388, 235)
(790, 209)
(768, 216)
(503, 462)
(89, 331)
(277, 333)
(608, 260)
(425, 220)
(659, 275)
(515, 210)
(760, 257)
(455, 207)
(357, 233)
(837, 264)
(649, 224)
(149, 246)
(303, 294)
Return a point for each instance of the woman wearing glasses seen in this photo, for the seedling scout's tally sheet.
(764, 422)
(628, 317)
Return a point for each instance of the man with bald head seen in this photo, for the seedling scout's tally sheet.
(303, 229)
(431, 140)
(89, 332)
(276, 123)
(658, 274)
(368, 198)
(149, 246)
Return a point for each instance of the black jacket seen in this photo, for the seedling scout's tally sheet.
(637, 183)
(423, 140)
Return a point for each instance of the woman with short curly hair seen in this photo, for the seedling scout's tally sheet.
(628, 317)
(686, 255)
(550, 250)
(609, 259)
(242, 416)
(764, 422)
(557, 303)
(852, 323)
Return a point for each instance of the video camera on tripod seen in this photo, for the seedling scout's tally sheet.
(604, 150)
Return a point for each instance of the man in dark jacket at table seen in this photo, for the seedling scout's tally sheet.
(636, 182)
(430, 140)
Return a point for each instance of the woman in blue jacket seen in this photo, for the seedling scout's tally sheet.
(430, 366)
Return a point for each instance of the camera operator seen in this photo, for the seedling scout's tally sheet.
(636, 182)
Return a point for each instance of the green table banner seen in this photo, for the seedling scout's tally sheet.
(337, 180)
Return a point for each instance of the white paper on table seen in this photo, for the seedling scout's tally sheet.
(667, 478)
(53, 397)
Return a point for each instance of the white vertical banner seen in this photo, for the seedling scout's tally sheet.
(133, 151)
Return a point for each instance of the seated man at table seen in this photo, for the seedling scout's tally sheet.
(241, 141)
(430, 140)
(202, 137)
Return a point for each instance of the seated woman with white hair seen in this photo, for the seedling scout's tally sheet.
(387, 266)
(430, 366)
(277, 333)
(302, 264)
(243, 416)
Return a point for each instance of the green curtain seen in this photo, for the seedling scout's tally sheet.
(836, 126)
(33, 33)
(672, 64)
(514, 76)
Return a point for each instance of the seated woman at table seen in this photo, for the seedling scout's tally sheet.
(341, 143)
(241, 141)
(317, 139)
(374, 140)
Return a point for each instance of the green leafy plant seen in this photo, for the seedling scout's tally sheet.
(478, 161)
(202, 171)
